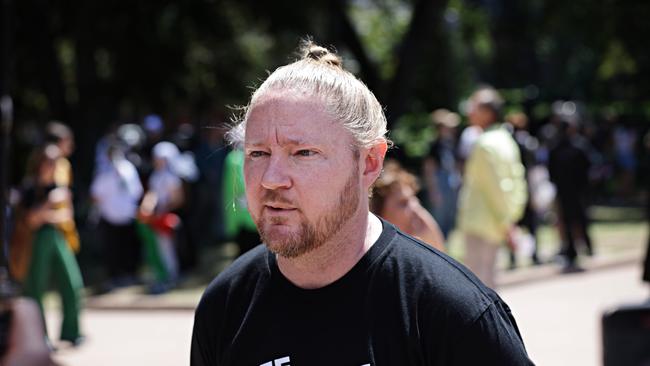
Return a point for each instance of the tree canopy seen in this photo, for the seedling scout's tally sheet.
(90, 63)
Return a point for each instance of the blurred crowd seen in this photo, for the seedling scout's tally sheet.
(156, 197)
(163, 193)
(563, 165)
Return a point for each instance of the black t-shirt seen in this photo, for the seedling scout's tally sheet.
(403, 303)
(569, 169)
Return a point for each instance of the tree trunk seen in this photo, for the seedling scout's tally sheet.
(48, 61)
(420, 34)
(345, 32)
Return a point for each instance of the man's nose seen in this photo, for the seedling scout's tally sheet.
(276, 175)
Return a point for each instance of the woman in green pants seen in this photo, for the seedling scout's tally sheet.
(47, 208)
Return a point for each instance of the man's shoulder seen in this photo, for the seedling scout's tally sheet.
(414, 253)
(239, 278)
(451, 305)
(436, 278)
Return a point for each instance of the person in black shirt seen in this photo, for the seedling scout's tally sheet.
(333, 284)
(568, 168)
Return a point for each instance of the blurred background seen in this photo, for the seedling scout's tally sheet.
(126, 76)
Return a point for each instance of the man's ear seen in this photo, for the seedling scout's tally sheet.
(373, 161)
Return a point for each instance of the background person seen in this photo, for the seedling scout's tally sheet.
(46, 205)
(394, 199)
(441, 171)
(117, 191)
(493, 195)
(61, 136)
(237, 221)
(164, 195)
(568, 168)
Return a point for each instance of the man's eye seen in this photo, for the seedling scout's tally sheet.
(306, 153)
(256, 154)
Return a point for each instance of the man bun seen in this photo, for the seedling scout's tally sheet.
(318, 72)
(311, 51)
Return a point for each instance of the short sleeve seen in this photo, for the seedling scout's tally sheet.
(493, 339)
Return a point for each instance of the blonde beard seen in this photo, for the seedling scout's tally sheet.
(311, 236)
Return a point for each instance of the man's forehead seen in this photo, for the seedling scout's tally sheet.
(288, 101)
(291, 134)
(290, 118)
(254, 140)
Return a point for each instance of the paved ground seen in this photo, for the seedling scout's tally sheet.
(560, 319)
(130, 338)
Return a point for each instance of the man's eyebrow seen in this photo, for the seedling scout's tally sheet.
(284, 141)
(289, 141)
(253, 144)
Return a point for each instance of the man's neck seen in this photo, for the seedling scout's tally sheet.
(335, 258)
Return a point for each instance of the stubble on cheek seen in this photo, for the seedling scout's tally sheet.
(308, 236)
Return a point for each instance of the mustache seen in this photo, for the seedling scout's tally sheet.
(277, 197)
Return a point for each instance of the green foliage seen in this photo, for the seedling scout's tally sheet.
(475, 27)
(66, 54)
(381, 25)
(34, 100)
(617, 61)
(414, 134)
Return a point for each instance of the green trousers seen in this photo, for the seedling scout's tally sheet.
(53, 259)
(152, 255)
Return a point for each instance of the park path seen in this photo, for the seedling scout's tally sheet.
(559, 319)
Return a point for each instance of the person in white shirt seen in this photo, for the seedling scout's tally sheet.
(117, 191)
(164, 195)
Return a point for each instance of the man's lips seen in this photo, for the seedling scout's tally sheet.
(279, 207)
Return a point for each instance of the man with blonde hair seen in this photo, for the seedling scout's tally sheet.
(334, 284)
